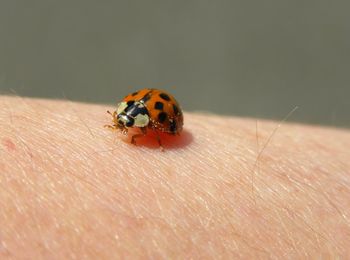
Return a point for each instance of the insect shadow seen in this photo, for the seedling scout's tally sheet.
(182, 140)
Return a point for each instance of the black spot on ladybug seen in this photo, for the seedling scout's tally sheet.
(146, 97)
(176, 110)
(134, 94)
(162, 117)
(164, 96)
(130, 102)
(158, 105)
(173, 127)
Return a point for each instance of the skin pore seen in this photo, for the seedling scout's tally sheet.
(70, 188)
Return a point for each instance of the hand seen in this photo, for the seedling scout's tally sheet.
(71, 188)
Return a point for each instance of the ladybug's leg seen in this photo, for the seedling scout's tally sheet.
(114, 127)
(144, 132)
(158, 140)
(114, 115)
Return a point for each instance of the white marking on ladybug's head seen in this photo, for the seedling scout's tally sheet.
(141, 120)
(121, 107)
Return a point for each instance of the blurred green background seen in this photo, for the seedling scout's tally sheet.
(247, 58)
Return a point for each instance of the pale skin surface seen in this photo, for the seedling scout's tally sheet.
(70, 188)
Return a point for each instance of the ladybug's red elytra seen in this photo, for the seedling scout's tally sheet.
(148, 109)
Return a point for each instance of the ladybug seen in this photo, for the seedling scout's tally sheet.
(145, 109)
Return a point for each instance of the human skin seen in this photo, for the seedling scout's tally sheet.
(226, 188)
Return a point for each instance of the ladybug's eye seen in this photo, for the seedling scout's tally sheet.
(130, 122)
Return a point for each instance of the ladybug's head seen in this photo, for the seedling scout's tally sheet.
(132, 114)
